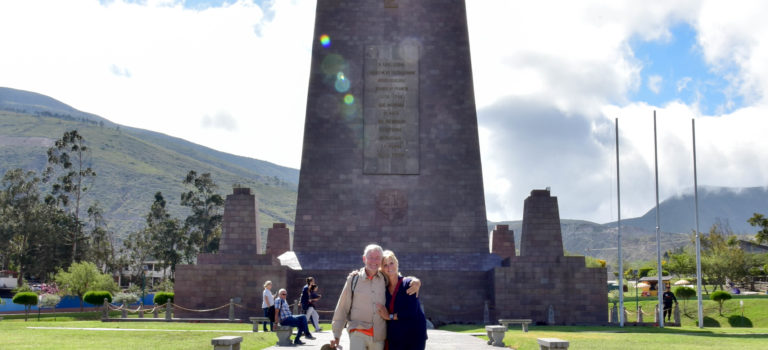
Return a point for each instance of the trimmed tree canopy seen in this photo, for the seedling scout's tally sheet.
(162, 297)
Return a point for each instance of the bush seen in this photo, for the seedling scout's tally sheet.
(162, 297)
(127, 298)
(25, 298)
(96, 297)
(49, 300)
(720, 297)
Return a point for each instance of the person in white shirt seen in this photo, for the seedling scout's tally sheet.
(268, 304)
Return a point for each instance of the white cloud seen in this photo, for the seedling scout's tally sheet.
(682, 83)
(549, 79)
(579, 67)
(181, 65)
(654, 83)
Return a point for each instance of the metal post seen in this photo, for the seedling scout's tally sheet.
(637, 280)
(231, 310)
(618, 200)
(698, 235)
(658, 227)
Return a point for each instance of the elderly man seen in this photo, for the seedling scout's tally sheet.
(284, 317)
(364, 289)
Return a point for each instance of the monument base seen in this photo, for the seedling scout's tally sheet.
(531, 286)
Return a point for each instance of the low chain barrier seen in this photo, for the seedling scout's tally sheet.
(170, 306)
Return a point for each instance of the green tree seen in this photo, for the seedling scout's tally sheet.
(70, 157)
(167, 237)
(204, 224)
(758, 220)
(101, 240)
(685, 293)
(29, 228)
(137, 249)
(720, 297)
(19, 200)
(28, 299)
(721, 257)
(682, 264)
(82, 277)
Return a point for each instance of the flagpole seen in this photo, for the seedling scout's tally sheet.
(660, 285)
(618, 199)
(698, 236)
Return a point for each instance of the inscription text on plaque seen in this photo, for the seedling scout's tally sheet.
(391, 110)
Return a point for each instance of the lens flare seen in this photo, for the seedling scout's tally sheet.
(342, 84)
(325, 40)
(349, 99)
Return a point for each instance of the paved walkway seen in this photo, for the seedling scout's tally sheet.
(438, 340)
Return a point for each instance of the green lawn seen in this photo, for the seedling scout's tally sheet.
(728, 331)
(17, 334)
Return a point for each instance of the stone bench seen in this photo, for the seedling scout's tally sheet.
(552, 343)
(523, 321)
(496, 335)
(228, 342)
(284, 335)
(258, 321)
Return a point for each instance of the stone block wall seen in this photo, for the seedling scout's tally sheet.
(529, 286)
(208, 286)
(238, 271)
(503, 242)
(278, 240)
(440, 208)
(541, 234)
(240, 225)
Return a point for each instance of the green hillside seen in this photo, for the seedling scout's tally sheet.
(133, 164)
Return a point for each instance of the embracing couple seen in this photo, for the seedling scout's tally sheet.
(380, 306)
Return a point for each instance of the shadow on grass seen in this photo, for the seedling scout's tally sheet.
(710, 322)
(739, 321)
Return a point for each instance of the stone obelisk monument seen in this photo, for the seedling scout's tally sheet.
(391, 153)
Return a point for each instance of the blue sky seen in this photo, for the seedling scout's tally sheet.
(550, 78)
(674, 68)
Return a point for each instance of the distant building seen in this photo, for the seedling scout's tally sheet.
(752, 247)
(153, 274)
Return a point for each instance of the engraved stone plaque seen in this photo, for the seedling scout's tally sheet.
(391, 207)
(391, 109)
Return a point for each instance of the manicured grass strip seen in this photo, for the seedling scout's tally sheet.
(17, 334)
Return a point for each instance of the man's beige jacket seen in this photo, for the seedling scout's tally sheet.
(360, 311)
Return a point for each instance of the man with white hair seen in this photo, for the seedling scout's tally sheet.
(364, 289)
(284, 317)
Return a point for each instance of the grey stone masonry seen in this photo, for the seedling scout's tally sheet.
(541, 236)
(278, 240)
(227, 342)
(237, 271)
(240, 225)
(431, 199)
(503, 242)
(543, 279)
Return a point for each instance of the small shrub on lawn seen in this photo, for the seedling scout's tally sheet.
(27, 299)
(96, 297)
(720, 297)
(162, 297)
(127, 298)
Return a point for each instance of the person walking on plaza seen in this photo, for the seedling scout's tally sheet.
(307, 305)
(268, 304)
(312, 316)
(284, 317)
(668, 297)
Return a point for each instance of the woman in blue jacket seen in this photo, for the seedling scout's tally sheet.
(406, 323)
